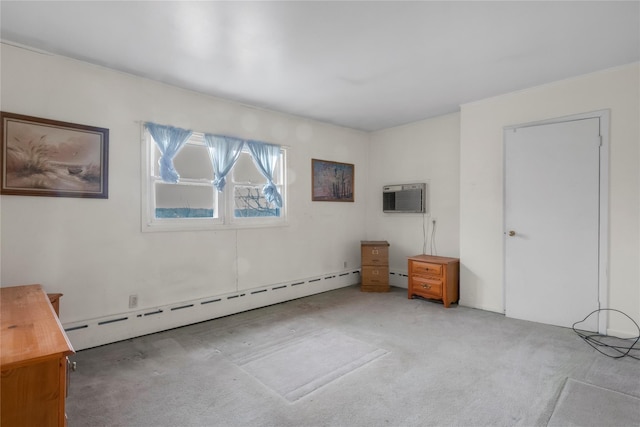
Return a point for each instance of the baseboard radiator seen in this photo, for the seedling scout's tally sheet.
(118, 327)
(399, 279)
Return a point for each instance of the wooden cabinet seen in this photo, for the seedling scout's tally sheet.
(375, 266)
(34, 359)
(434, 277)
(54, 299)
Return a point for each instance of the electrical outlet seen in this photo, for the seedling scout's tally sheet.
(433, 220)
(345, 264)
(133, 301)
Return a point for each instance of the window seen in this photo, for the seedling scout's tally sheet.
(194, 203)
(247, 183)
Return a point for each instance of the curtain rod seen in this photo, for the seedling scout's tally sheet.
(201, 134)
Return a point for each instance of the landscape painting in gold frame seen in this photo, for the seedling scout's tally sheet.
(332, 181)
(42, 157)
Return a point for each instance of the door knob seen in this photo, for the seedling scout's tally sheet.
(512, 233)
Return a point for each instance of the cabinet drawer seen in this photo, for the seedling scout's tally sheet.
(375, 255)
(375, 275)
(428, 288)
(427, 269)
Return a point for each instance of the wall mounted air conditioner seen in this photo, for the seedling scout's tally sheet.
(404, 198)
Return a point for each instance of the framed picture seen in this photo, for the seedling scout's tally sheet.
(42, 157)
(331, 181)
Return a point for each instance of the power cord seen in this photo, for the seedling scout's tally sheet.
(596, 340)
(424, 233)
(434, 251)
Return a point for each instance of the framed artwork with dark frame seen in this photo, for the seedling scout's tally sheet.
(42, 157)
(332, 181)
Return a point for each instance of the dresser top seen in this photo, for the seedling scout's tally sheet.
(374, 242)
(30, 329)
(434, 259)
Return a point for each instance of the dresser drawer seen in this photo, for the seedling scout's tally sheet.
(375, 275)
(375, 255)
(428, 288)
(427, 269)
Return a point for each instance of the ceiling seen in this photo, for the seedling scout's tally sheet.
(366, 65)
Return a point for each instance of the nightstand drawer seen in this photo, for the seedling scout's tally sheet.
(427, 288)
(427, 269)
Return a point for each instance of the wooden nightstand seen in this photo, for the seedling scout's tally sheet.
(434, 277)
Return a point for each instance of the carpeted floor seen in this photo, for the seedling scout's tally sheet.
(297, 367)
(582, 404)
(347, 358)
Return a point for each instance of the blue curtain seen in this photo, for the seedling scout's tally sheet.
(223, 152)
(169, 140)
(265, 157)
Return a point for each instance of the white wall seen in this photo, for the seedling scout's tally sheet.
(481, 182)
(426, 151)
(94, 252)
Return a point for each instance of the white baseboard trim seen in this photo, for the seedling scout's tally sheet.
(399, 279)
(108, 329)
(622, 334)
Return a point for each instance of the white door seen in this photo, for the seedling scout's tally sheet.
(552, 222)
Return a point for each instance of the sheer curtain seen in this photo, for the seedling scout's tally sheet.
(169, 140)
(265, 157)
(223, 152)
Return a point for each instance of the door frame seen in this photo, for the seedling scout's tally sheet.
(603, 220)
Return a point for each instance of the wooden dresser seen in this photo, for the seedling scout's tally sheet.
(434, 277)
(375, 266)
(54, 299)
(34, 359)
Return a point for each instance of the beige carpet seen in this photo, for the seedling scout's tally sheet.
(582, 404)
(443, 367)
(299, 366)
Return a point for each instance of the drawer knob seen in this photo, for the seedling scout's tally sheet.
(426, 286)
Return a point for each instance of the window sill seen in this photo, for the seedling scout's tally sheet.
(207, 225)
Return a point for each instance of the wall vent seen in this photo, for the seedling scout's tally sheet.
(151, 313)
(181, 307)
(75, 328)
(106, 322)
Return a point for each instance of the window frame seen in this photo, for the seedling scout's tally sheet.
(229, 197)
(225, 200)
